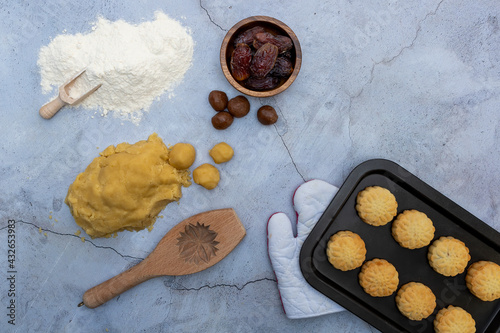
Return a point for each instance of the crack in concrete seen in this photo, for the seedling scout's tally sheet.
(419, 28)
(387, 61)
(223, 285)
(285, 145)
(79, 237)
(210, 18)
(349, 124)
(169, 307)
(291, 158)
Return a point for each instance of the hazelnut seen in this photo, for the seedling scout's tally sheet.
(267, 115)
(238, 106)
(222, 120)
(218, 100)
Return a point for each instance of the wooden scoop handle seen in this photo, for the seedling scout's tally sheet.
(50, 109)
(105, 291)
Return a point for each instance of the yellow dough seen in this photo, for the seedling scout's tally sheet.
(125, 188)
(182, 156)
(207, 176)
(221, 152)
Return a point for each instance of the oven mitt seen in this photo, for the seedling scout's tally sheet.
(299, 299)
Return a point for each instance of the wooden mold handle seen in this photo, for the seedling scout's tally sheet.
(105, 291)
(50, 109)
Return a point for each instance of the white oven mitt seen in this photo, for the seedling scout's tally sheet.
(299, 299)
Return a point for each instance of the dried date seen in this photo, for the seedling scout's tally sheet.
(282, 68)
(266, 83)
(248, 36)
(283, 43)
(241, 59)
(263, 60)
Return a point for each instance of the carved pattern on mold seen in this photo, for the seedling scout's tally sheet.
(197, 243)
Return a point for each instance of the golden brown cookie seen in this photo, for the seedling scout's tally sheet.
(448, 256)
(379, 278)
(413, 229)
(346, 250)
(454, 319)
(415, 301)
(376, 205)
(483, 280)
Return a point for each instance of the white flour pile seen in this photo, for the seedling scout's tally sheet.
(134, 63)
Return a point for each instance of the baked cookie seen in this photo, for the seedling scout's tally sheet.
(379, 278)
(454, 319)
(376, 205)
(415, 301)
(413, 229)
(483, 280)
(448, 256)
(346, 250)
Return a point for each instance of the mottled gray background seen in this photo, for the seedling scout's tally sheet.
(418, 84)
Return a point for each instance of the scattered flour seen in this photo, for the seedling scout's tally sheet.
(134, 63)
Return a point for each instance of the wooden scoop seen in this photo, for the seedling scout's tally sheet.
(193, 245)
(50, 109)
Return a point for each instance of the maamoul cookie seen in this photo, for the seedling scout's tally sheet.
(379, 278)
(454, 319)
(448, 256)
(376, 205)
(415, 301)
(413, 229)
(346, 250)
(483, 280)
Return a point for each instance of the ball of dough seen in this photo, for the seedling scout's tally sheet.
(207, 176)
(182, 156)
(125, 188)
(221, 152)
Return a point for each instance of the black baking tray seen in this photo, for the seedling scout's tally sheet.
(449, 220)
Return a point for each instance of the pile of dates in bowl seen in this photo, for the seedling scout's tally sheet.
(262, 56)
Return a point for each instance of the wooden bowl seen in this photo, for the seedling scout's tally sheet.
(269, 24)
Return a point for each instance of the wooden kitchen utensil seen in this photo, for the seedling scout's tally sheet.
(193, 245)
(50, 109)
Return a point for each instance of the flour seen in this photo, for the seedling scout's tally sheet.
(135, 63)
